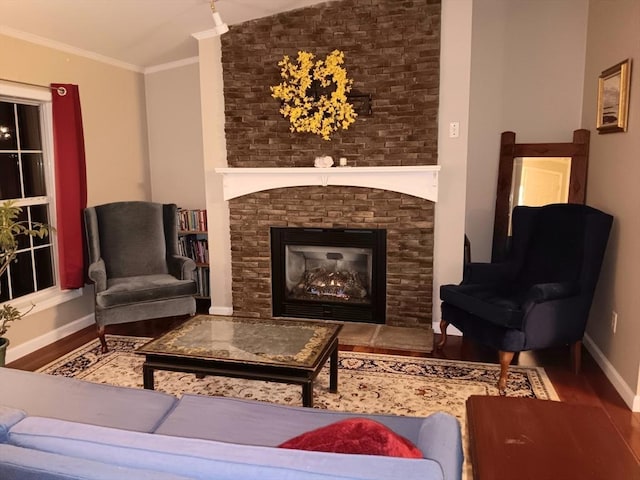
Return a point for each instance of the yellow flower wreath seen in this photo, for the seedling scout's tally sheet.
(323, 113)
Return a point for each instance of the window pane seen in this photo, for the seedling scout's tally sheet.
(40, 213)
(44, 272)
(29, 124)
(23, 240)
(8, 140)
(33, 174)
(22, 275)
(9, 176)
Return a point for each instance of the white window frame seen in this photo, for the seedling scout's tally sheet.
(52, 296)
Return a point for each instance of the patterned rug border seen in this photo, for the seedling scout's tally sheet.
(455, 369)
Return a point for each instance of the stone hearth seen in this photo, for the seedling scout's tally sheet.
(387, 337)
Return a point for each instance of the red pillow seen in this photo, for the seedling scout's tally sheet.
(355, 435)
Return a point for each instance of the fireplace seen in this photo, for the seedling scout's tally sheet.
(328, 273)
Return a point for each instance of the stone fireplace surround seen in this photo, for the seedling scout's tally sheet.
(408, 220)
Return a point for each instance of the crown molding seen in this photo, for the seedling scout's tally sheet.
(171, 65)
(45, 42)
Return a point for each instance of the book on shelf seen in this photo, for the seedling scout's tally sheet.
(195, 248)
(193, 243)
(202, 281)
(192, 220)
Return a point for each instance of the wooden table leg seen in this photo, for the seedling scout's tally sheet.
(147, 376)
(333, 370)
(505, 361)
(307, 394)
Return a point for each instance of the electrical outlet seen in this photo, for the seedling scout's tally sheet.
(454, 129)
(614, 321)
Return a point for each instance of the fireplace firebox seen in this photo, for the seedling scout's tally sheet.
(328, 273)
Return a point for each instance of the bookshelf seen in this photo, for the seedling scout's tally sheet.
(193, 242)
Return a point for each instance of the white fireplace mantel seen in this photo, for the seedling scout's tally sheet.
(419, 181)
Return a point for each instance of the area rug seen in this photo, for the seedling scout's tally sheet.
(367, 383)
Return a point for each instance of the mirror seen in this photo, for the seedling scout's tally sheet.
(537, 174)
(539, 181)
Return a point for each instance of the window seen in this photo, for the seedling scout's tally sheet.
(26, 177)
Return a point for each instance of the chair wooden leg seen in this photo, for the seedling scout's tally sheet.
(103, 341)
(576, 356)
(505, 361)
(443, 334)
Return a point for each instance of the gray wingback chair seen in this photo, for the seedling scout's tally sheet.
(135, 265)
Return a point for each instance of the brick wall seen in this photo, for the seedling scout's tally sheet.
(392, 52)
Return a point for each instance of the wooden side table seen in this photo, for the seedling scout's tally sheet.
(523, 438)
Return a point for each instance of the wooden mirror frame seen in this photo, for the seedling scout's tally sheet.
(578, 150)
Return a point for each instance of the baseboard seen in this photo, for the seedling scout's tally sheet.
(225, 311)
(19, 351)
(629, 396)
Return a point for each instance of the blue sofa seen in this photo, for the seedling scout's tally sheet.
(61, 428)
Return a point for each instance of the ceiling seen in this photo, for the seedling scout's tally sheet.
(139, 33)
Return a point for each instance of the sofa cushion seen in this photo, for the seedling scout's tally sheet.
(144, 288)
(8, 418)
(80, 401)
(488, 302)
(251, 422)
(206, 459)
(355, 435)
(18, 463)
(261, 423)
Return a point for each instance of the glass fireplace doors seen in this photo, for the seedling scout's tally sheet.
(337, 274)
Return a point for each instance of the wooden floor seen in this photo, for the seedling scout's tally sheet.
(590, 387)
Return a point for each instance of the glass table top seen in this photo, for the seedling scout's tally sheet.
(247, 340)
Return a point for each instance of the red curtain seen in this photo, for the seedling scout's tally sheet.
(71, 183)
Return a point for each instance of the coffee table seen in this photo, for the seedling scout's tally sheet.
(286, 351)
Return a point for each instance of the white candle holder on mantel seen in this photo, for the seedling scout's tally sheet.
(323, 162)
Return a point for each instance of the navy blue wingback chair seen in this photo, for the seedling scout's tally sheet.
(540, 296)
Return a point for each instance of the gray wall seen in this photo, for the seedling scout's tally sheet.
(534, 70)
(527, 72)
(175, 136)
(614, 170)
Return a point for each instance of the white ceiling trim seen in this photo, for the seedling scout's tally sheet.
(172, 65)
(45, 42)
